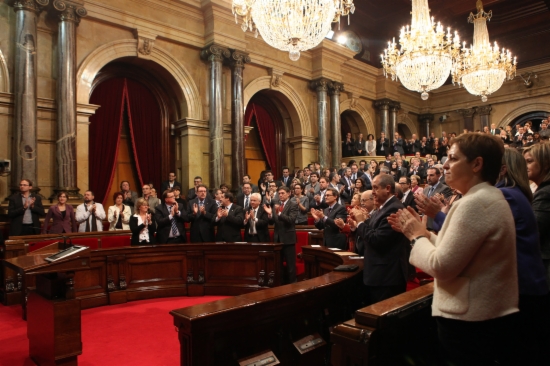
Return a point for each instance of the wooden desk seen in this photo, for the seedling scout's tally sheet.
(221, 332)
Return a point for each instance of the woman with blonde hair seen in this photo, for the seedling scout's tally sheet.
(142, 224)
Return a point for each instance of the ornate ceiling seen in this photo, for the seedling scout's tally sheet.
(523, 26)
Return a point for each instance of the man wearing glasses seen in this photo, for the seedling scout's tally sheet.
(170, 217)
(24, 210)
(324, 220)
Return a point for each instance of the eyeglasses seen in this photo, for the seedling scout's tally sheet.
(22, 184)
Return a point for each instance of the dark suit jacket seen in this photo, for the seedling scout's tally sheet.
(191, 194)
(164, 224)
(398, 147)
(261, 227)
(426, 149)
(386, 145)
(240, 200)
(367, 182)
(445, 190)
(131, 201)
(413, 147)
(285, 223)
(136, 229)
(385, 250)
(202, 225)
(288, 181)
(348, 148)
(16, 212)
(347, 194)
(166, 184)
(409, 201)
(60, 224)
(361, 145)
(229, 228)
(333, 238)
(541, 207)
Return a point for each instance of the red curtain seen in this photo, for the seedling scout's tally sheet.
(104, 135)
(145, 131)
(267, 132)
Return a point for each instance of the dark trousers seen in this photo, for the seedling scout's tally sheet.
(28, 229)
(534, 333)
(288, 254)
(177, 240)
(379, 293)
(489, 342)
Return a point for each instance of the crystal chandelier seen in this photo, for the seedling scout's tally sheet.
(426, 55)
(291, 25)
(482, 68)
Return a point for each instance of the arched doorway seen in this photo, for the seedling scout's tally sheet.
(404, 131)
(138, 147)
(535, 117)
(266, 145)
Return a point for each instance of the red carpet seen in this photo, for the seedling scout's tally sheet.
(135, 333)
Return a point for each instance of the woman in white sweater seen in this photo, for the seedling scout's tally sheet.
(472, 259)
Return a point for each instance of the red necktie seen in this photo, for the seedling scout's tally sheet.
(281, 208)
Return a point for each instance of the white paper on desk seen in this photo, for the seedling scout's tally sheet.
(355, 257)
(334, 248)
(316, 246)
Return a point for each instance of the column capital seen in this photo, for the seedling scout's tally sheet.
(426, 117)
(237, 59)
(382, 103)
(215, 52)
(395, 106)
(485, 110)
(70, 11)
(32, 5)
(335, 88)
(321, 84)
(467, 112)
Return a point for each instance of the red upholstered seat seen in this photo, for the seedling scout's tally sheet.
(310, 220)
(41, 244)
(271, 235)
(106, 225)
(115, 241)
(301, 240)
(188, 235)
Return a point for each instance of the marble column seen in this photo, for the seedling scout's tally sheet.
(237, 61)
(320, 86)
(215, 55)
(24, 148)
(485, 116)
(383, 105)
(69, 16)
(394, 108)
(425, 119)
(335, 88)
(468, 116)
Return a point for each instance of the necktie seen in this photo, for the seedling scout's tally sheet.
(246, 202)
(201, 203)
(253, 224)
(94, 221)
(353, 177)
(431, 191)
(282, 207)
(174, 226)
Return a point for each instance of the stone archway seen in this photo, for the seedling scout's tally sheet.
(288, 96)
(404, 119)
(364, 123)
(513, 115)
(4, 75)
(95, 61)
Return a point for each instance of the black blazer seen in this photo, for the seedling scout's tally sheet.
(136, 229)
(240, 200)
(261, 227)
(288, 181)
(202, 225)
(229, 228)
(409, 201)
(16, 213)
(166, 184)
(164, 224)
(333, 238)
(386, 145)
(285, 223)
(385, 251)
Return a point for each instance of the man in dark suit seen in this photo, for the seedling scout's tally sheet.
(24, 210)
(494, 130)
(348, 184)
(256, 222)
(435, 187)
(170, 217)
(193, 191)
(229, 219)
(170, 183)
(385, 251)
(286, 179)
(202, 212)
(348, 146)
(398, 144)
(243, 199)
(246, 179)
(283, 215)
(324, 220)
(425, 146)
(318, 201)
(413, 145)
(360, 146)
(416, 169)
(382, 145)
(408, 195)
(355, 173)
